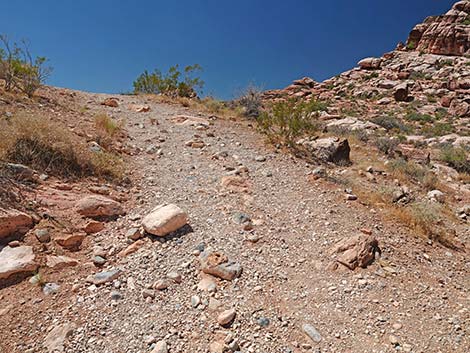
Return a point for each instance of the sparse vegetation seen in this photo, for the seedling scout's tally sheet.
(19, 69)
(387, 145)
(174, 83)
(250, 101)
(421, 118)
(49, 148)
(291, 119)
(391, 123)
(456, 157)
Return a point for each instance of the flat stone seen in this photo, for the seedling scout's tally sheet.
(70, 241)
(104, 277)
(59, 262)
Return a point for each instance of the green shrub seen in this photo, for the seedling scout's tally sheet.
(387, 145)
(173, 83)
(289, 120)
(391, 123)
(19, 69)
(421, 118)
(456, 157)
(438, 129)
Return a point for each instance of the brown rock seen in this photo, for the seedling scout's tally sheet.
(217, 264)
(13, 221)
(235, 183)
(99, 206)
(400, 92)
(70, 241)
(110, 102)
(139, 108)
(370, 63)
(358, 250)
(132, 248)
(93, 227)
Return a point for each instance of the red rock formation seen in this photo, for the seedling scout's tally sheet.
(447, 34)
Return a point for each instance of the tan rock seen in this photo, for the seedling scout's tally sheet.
(93, 227)
(99, 206)
(164, 219)
(54, 341)
(110, 102)
(226, 317)
(132, 248)
(59, 262)
(70, 241)
(160, 347)
(17, 261)
(235, 183)
(13, 221)
(139, 108)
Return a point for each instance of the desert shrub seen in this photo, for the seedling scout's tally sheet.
(421, 118)
(387, 145)
(391, 123)
(438, 129)
(290, 119)
(174, 83)
(250, 101)
(107, 125)
(406, 170)
(49, 148)
(19, 69)
(456, 157)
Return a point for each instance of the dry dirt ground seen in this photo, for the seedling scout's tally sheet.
(414, 299)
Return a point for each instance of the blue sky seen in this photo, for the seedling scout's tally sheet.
(102, 45)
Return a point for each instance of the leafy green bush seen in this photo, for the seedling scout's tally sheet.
(19, 69)
(174, 83)
(287, 120)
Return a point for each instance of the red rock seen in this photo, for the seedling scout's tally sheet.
(444, 35)
(13, 221)
(93, 227)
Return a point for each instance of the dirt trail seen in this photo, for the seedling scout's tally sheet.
(414, 299)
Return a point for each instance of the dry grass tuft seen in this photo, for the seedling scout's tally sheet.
(49, 148)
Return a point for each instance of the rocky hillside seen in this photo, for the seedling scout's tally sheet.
(128, 224)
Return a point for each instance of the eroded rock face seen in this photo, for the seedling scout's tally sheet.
(17, 261)
(99, 206)
(13, 221)
(448, 34)
(356, 251)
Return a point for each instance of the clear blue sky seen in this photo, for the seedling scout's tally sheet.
(102, 45)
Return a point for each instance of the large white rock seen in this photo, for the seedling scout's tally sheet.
(164, 219)
(13, 221)
(17, 261)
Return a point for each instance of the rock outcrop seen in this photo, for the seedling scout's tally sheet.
(448, 34)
